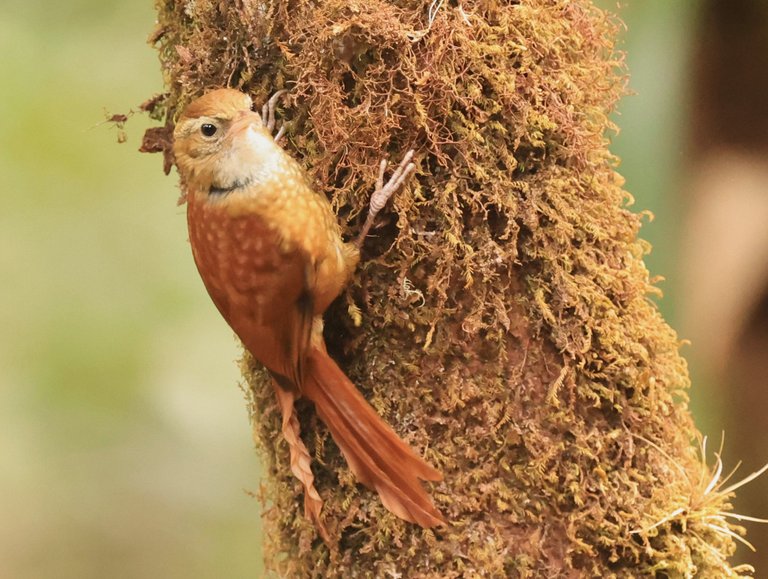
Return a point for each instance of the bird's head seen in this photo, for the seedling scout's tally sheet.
(220, 144)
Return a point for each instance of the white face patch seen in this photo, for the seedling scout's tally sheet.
(260, 143)
(251, 157)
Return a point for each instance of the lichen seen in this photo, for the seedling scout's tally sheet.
(500, 319)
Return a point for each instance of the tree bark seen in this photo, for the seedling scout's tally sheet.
(500, 319)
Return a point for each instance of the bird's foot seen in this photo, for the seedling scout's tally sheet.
(384, 191)
(268, 115)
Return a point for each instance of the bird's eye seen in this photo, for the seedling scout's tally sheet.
(208, 129)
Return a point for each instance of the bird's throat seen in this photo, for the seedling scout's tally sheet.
(219, 191)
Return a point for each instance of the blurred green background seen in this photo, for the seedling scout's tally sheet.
(125, 446)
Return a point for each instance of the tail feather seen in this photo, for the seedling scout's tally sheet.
(376, 455)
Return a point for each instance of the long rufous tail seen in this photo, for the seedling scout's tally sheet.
(376, 455)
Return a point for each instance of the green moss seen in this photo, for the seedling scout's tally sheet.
(506, 327)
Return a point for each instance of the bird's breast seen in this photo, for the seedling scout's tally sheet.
(253, 274)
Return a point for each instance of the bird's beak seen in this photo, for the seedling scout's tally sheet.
(244, 121)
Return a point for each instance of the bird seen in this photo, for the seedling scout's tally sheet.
(270, 253)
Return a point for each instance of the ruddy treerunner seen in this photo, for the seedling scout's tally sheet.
(269, 250)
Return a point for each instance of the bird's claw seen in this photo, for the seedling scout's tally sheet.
(384, 191)
(268, 115)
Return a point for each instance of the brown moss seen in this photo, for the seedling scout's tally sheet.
(506, 326)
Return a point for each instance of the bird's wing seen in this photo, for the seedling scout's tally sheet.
(261, 286)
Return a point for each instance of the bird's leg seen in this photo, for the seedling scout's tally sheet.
(300, 459)
(384, 191)
(268, 115)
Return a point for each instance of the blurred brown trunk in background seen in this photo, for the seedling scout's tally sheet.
(725, 256)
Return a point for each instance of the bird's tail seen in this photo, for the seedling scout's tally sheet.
(376, 455)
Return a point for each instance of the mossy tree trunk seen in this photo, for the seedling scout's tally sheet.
(500, 319)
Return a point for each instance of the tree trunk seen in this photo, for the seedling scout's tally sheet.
(500, 319)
